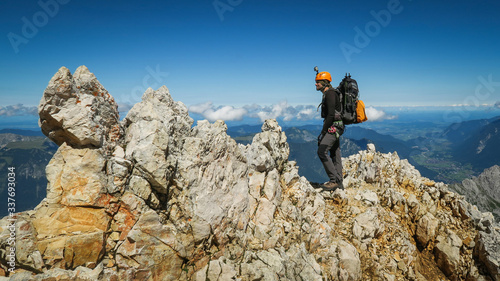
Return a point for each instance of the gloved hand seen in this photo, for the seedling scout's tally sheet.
(320, 137)
(332, 130)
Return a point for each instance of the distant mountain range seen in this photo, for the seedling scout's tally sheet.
(476, 142)
(15, 135)
(21, 132)
(458, 132)
(29, 153)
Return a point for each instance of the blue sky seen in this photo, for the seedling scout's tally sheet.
(229, 58)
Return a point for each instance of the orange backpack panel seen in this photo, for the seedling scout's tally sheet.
(360, 112)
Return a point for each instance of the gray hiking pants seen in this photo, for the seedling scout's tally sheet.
(329, 154)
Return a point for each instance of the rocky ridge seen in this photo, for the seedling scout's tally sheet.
(154, 198)
(483, 190)
(7, 138)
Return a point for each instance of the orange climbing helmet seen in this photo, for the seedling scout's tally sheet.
(322, 75)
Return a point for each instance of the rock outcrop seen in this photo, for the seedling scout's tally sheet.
(155, 198)
(78, 110)
(483, 190)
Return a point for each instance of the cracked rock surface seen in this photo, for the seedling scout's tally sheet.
(153, 197)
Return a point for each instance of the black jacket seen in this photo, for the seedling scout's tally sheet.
(330, 108)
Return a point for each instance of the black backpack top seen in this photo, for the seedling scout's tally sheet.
(349, 90)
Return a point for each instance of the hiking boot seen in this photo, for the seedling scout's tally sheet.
(332, 186)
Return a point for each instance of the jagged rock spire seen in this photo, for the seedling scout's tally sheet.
(77, 109)
(154, 198)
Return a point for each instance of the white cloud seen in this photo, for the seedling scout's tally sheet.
(252, 107)
(285, 111)
(124, 107)
(200, 108)
(497, 104)
(277, 110)
(374, 114)
(226, 113)
(18, 110)
(281, 110)
(308, 114)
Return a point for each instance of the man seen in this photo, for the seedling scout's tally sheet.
(329, 139)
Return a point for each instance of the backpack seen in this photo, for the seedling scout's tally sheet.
(353, 109)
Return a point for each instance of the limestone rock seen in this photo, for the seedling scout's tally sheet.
(349, 267)
(426, 229)
(152, 249)
(68, 185)
(27, 253)
(447, 252)
(76, 109)
(370, 148)
(488, 251)
(155, 198)
(154, 131)
(483, 190)
(269, 149)
(367, 225)
(69, 237)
